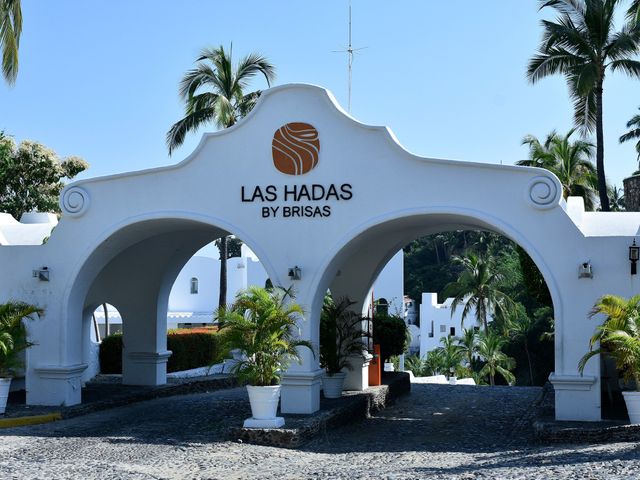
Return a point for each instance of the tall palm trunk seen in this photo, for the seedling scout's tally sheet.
(222, 301)
(106, 319)
(526, 349)
(602, 182)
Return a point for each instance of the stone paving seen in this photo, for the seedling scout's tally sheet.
(437, 431)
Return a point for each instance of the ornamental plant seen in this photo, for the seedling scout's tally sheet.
(262, 324)
(13, 335)
(618, 336)
(341, 334)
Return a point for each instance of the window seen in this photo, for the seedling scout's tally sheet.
(443, 329)
(194, 286)
(452, 331)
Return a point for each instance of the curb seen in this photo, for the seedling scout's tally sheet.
(30, 420)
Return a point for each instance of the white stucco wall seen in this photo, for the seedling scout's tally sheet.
(437, 321)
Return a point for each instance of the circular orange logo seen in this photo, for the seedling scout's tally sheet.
(295, 148)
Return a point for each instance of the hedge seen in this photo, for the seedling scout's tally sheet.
(192, 348)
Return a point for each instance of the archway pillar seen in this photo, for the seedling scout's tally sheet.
(54, 375)
(144, 352)
(302, 382)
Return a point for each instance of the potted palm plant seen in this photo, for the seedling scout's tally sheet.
(13, 341)
(261, 324)
(341, 336)
(619, 338)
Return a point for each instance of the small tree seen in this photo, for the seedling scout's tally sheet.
(13, 334)
(262, 325)
(390, 332)
(31, 176)
(490, 349)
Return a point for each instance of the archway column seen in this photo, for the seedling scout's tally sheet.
(301, 383)
(144, 352)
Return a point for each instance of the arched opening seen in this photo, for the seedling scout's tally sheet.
(135, 268)
(357, 265)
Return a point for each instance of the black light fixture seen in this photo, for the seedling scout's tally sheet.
(634, 255)
(295, 273)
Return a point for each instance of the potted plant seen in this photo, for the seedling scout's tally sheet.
(619, 338)
(261, 324)
(13, 341)
(340, 337)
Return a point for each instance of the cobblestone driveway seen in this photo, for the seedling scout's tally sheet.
(436, 432)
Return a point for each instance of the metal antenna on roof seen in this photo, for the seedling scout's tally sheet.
(350, 51)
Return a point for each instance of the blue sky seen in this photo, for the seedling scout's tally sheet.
(99, 79)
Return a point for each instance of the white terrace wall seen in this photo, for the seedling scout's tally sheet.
(124, 238)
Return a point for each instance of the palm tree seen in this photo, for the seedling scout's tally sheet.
(10, 30)
(478, 288)
(634, 133)
(13, 334)
(468, 347)
(262, 323)
(490, 349)
(616, 198)
(569, 161)
(214, 91)
(451, 353)
(581, 44)
(618, 336)
(520, 329)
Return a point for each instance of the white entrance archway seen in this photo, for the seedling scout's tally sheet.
(305, 185)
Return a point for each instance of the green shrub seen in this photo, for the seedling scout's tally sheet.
(111, 354)
(190, 350)
(391, 333)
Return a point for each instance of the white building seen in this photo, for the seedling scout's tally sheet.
(437, 322)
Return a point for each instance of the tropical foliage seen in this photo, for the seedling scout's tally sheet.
(10, 30)
(262, 324)
(633, 134)
(619, 335)
(521, 281)
(478, 289)
(215, 92)
(31, 176)
(13, 334)
(496, 361)
(391, 333)
(581, 44)
(569, 161)
(341, 334)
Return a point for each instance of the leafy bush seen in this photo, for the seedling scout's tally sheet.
(340, 334)
(390, 332)
(192, 348)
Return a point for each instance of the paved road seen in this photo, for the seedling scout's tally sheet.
(436, 432)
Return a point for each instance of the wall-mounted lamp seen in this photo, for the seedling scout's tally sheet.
(295, 273)
(634, 255)
(42, 274)
(585, 270)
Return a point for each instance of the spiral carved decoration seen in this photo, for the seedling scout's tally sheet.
(295, 148)
(74, 201)
(543, 192)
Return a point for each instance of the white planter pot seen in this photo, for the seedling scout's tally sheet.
(5, 383)
(632, 399)
(388, 367)
(332, 385)
(264, 401)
